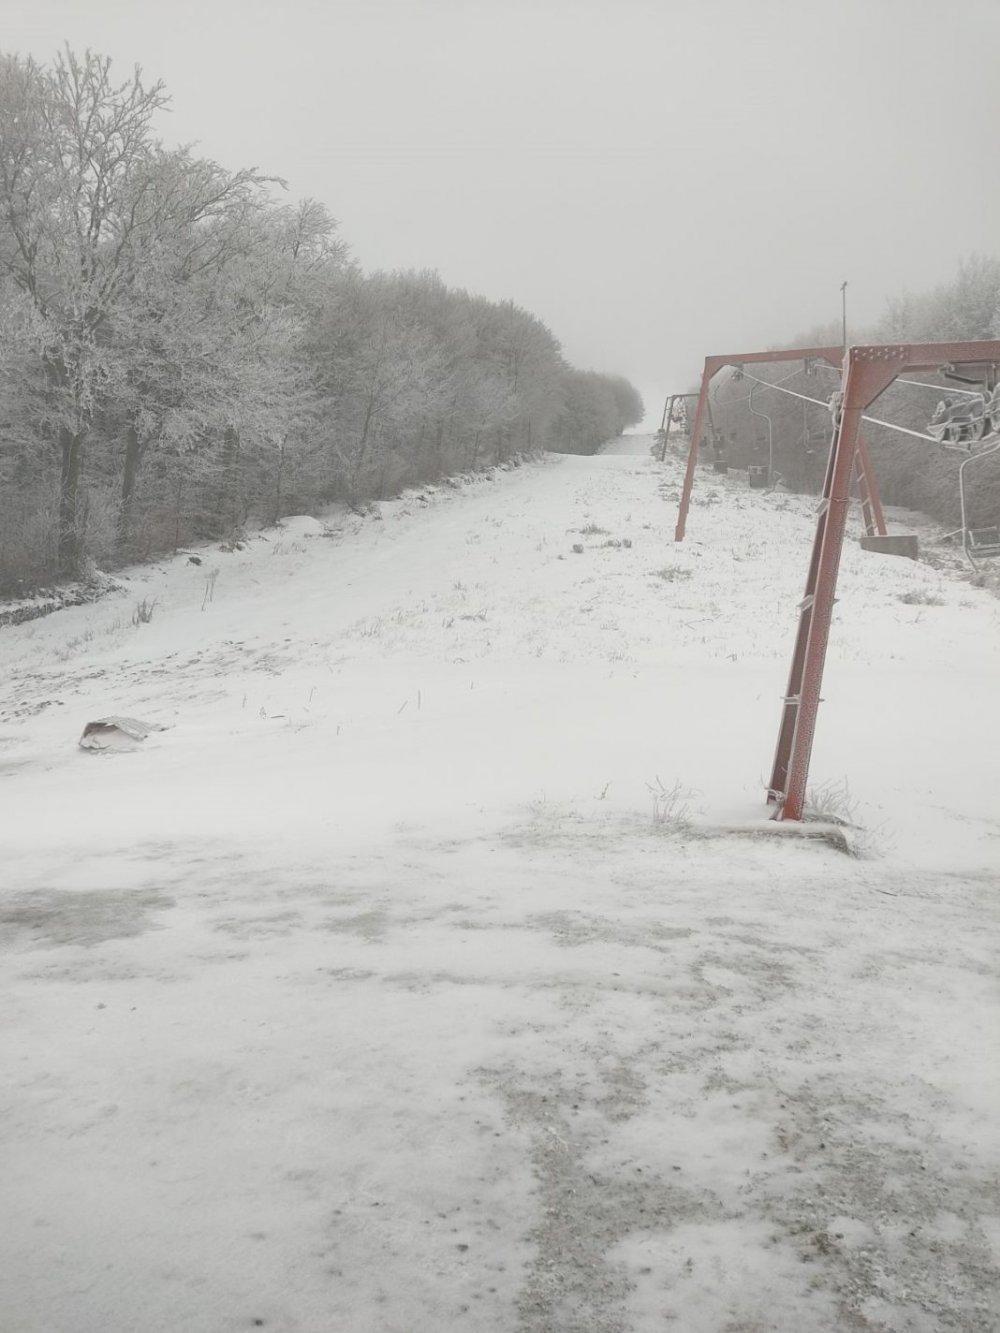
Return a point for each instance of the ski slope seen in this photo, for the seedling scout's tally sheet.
(405, 981)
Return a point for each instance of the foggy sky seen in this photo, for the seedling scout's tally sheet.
(656, 179)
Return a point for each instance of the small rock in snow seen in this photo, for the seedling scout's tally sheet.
(116, 733)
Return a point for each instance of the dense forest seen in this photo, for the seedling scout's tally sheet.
(913, 473)
(183, 352)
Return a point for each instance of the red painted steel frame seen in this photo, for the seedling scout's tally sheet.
(871, 503)
(713, 364)
(870, 370)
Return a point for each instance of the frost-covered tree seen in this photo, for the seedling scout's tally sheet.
(382, 369)
(88, 204)
(598, 407)
(629, 406)
(965, 309)
(526, 367)
(180, 353)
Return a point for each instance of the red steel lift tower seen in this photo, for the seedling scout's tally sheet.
(868, 372)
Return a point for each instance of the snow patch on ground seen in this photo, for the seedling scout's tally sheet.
(301, 525)
(383, 991)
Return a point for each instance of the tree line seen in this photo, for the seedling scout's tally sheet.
(183, 353)
(912, 473)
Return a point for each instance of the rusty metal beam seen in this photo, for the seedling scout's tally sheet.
(692, 458)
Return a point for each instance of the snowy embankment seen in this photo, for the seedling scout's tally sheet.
(371, 995)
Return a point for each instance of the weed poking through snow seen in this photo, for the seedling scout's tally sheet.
(210, 578)
(832, 803)
(670, 806)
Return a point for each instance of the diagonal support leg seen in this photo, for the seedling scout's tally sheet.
(696, 429)
(866, 507)
(871, 500)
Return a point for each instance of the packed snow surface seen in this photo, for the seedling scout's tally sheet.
(409, 981)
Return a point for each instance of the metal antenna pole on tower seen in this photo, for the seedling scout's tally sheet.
(843, 311)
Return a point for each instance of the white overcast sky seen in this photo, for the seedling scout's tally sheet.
(656, 179)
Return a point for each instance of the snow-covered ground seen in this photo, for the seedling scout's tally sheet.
(382, 992)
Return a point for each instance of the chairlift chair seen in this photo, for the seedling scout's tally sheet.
(982, 542)
(962, 422)
(967, 421)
